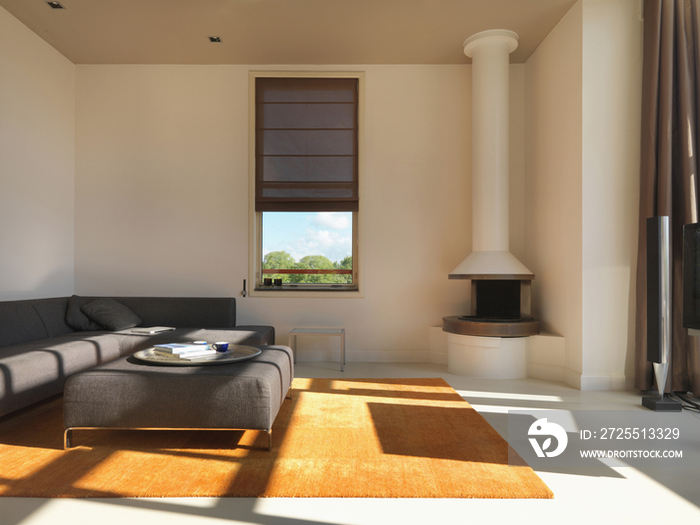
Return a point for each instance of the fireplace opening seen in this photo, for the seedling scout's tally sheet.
(499, 308)
(497, 299)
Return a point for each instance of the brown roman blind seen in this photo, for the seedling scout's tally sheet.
(306, 144)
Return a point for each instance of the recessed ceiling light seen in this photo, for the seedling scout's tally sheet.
(55, 5)
(214, 39)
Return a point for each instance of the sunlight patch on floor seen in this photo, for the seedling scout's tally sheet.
(503, 409)
(509, 395)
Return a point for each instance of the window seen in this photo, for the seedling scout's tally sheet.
(308, 248)
(306, 172)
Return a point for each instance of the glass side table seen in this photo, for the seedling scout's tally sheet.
(340, 332)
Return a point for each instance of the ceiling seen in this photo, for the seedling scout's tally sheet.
(282, 31)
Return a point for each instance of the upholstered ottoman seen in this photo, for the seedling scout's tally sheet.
(130, 394)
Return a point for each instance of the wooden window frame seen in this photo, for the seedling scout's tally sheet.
(255, 275)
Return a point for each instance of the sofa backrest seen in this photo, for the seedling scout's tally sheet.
(183, 312)
(53, 315)
(32, 319)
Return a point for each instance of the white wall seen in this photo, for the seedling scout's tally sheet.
(553, 156)
(516, 162)
(583, 91)
(37, 155)
(612, 72)
(162, 198)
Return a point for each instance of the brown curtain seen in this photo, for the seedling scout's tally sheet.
(669, 169)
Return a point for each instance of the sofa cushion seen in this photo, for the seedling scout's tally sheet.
(111, 314)
(33, 371)
(75, 318)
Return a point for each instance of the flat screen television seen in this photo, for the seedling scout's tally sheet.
(691, 276)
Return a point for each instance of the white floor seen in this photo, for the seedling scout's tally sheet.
(616, 495)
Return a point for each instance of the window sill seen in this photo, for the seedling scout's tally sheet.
(306, 293)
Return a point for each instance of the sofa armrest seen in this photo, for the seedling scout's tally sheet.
(258, 334)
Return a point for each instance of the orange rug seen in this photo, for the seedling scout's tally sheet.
(384, 438)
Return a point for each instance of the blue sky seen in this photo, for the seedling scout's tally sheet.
(308, 233)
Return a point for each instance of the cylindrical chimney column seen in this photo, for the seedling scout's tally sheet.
(489, 51)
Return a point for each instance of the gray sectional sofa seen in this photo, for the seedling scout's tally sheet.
(45, 341)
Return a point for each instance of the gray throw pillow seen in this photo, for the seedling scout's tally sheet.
(76, 319)
(111, 314)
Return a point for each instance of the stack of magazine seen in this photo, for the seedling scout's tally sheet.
(184, 351)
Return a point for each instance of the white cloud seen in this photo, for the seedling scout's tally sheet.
(325, 233)
(333, 220)
(333, 245)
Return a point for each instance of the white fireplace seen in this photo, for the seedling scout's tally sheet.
(491, 340)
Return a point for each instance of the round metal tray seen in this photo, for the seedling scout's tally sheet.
(234, 354)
